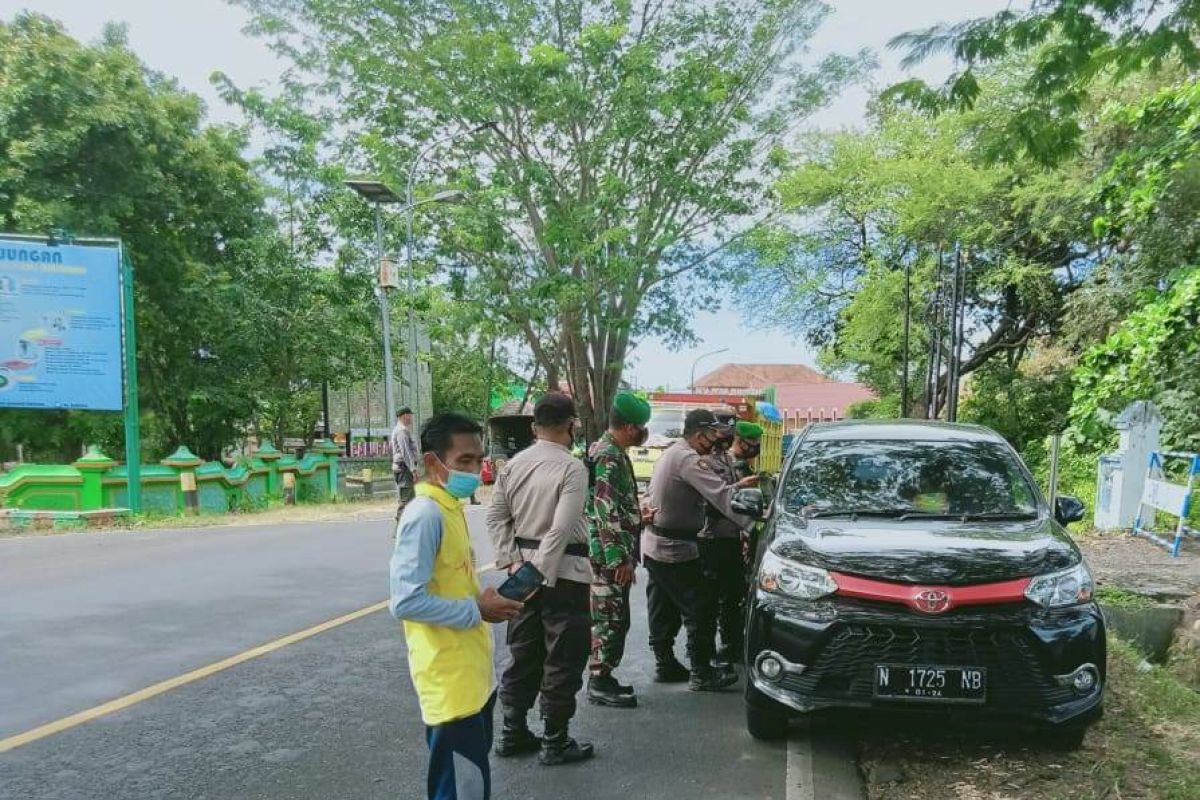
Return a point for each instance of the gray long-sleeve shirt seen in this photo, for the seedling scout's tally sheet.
(682, 485)
(540, 496)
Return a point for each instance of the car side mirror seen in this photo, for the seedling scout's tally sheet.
(1068, 509)
(749, 503)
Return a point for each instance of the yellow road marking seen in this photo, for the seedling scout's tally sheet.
(59, 725)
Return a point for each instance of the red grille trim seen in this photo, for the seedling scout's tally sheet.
(930, 598)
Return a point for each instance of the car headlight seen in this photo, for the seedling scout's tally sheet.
(1067, 587)
(779, 575)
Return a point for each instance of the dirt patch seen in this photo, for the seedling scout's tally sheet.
(1118, 559)
(1147, 747)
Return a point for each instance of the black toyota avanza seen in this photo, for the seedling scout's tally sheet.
(915, 567)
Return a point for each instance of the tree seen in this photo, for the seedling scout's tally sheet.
(630, 137)
(94, 143)
(914, 193)
(1070, 47)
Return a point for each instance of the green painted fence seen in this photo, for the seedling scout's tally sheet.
(96, 482)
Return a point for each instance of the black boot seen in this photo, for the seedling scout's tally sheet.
(559, 748)
(515, 737)
(603, 690)
(711, 680)
(667, 668)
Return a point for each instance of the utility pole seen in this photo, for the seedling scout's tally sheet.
(953, 350)
(960, 325)
(935, 341)
(907, 318)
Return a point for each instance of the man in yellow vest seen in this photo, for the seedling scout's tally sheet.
(435, 591)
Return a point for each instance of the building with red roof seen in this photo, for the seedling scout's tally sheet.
(802, 403)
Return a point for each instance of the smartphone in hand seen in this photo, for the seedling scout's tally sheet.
(522, 584)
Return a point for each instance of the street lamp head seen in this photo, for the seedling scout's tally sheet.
(374, 191)
(490, 124)
(449, 196)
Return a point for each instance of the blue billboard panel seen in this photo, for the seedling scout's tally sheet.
(60, 326)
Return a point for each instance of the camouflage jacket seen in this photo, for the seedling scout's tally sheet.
(613, 513)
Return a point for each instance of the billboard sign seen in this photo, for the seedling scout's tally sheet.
(60, 326)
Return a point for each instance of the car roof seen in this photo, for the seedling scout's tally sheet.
(899, 430)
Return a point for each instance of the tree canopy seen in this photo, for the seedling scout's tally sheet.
(629, 137)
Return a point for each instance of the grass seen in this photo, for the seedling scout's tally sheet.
(1110, 595)
(274, 513)
(1147, 746)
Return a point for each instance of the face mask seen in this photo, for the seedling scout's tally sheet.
(460, 484)
(642, 435)
(751, 450)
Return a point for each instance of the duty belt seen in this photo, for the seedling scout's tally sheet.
(674, 533)
(574, 549)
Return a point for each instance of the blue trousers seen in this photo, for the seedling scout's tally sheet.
(458, 757)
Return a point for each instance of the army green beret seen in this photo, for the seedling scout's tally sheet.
(748, 430)
(632, 408)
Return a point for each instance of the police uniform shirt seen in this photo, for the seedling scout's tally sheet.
(681, 487)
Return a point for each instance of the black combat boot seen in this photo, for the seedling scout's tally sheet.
(603, 690)
(559, 748)
(667, 668)
(515, 737)
(711, 680)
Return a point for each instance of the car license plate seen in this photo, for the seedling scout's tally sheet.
(931, 682)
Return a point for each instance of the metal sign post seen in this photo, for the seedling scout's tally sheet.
(133, 440)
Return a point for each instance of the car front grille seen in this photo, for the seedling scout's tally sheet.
(845, 668)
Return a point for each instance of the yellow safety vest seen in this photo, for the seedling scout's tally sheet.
(451, 668)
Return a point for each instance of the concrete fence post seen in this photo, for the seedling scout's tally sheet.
(184, 462)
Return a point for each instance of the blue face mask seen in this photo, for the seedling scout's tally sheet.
(461, 484)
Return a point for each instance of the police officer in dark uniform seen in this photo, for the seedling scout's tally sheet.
(682, 486)
(722, 542)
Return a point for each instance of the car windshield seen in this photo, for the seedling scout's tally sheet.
(666, 423)
(908, 478)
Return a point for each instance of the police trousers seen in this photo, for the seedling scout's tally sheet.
(676, 595)
(549, 641)
(725, 576)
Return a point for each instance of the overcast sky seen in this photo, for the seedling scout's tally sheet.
(190, 39)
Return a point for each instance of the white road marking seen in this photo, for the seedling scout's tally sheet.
(799, 780)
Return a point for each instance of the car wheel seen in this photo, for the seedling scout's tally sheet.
(766, 725)
(1066, 739)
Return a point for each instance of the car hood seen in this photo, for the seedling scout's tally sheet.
(927, 551)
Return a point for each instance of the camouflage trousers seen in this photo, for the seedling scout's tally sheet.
(610, 623)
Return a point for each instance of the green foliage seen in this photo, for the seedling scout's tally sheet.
(628, 138)
(96, 144)
(1024, 407)
(1155, 354)
(887, 407)
(1068, 47)
(868, 205)
(238, 321)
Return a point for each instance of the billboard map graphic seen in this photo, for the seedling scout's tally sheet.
(60, 326)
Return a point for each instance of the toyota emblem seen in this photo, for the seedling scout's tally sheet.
(931, 601)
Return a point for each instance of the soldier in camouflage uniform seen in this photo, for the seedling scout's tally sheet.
(614, 523)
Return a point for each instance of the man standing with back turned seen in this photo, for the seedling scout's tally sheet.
(404, 459)
(435, 591)
(682, 483)
(536, 514)
(614, 523)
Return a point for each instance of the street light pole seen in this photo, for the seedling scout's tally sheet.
(408, 256)
(692, 382)
(385, 312)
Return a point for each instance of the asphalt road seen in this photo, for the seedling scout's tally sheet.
(88, 618)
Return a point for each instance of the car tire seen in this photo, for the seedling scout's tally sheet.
(1066, 739)
(766, 725)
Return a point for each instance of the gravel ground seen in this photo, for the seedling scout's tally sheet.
(1118, 559)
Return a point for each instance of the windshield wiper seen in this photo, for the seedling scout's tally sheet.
(1000, 515)
(859, 512)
